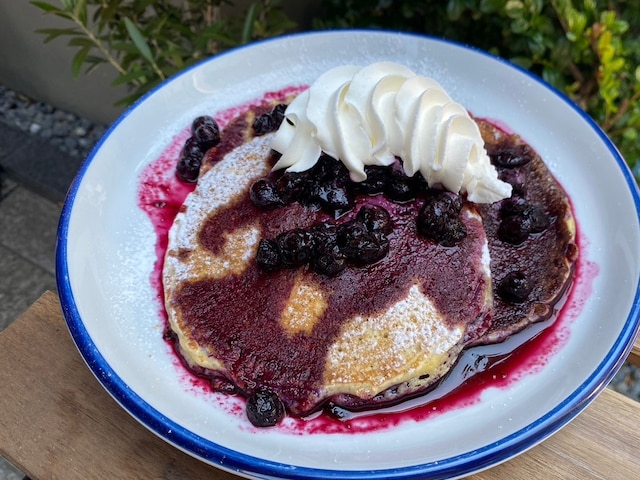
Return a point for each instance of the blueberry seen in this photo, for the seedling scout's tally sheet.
(514, 229)
(439, 219)
(334, 196)
(206, 131)
(326, 257)
(264, 193)
(291, 185)
(359, 244)
(268, 256)
(538, 219)
(295, 247)
(514, 205)
(373, 247)
(400, 188)
(264, 408)
(328, 260)
(520, 220)
(511, 156)
(455, 232)
(450, 201)
(269, 122)
(375, 218)
(191, 148)
(328, 168)
(324, 233)
(377, 177)
(188, 166)
(515, 287)
(516, 178)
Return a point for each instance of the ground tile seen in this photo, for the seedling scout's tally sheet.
(36, 164)
(29, 224)
(21, 284)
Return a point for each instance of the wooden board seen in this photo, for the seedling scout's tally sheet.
(56, 421)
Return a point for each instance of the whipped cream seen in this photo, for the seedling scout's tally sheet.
(371, 115)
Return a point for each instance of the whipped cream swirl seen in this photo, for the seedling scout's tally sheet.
(371, 115)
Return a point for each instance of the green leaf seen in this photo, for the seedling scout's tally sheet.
(80, 11)
(247, 30)
(514, 9)
(53, 33)
(455, 9)
(78, 60)
(135, 75)
(138, 40)
(47, 7)
(81, 42)
(491, 6)
(68, 5)
(125, 47)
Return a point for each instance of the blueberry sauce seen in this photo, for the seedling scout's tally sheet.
(161, 196)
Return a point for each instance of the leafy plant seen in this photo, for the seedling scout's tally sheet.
(589, 49)
(146, 41)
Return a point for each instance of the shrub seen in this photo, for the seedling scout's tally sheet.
(589, 49)
(146, 41)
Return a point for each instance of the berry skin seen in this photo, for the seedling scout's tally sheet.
(295, 247)
(206, 131)
(539, 220)
(439, 219)
(334, 196)
(516, 178)
(375, 218)
(326, 257)
(519, 220)
(359, 245)
(514, 229)
(265, 194)
(290, 185)
(515, 287)
(328, 260)
(377, 178)
(264, 409)
(188, 166)
(400, 188)
(512, 156)
(268, 256)
(513, 205)
(269, 122)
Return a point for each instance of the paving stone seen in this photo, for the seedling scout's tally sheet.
(10, 140)
(21, 284)
(6, 186)
(36, 164)
(29, 223)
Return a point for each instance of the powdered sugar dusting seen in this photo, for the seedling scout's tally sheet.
(217, 188)
(410, 336)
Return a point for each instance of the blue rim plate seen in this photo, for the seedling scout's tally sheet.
(106, 255)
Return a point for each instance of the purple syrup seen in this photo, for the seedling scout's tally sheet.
(161, 196)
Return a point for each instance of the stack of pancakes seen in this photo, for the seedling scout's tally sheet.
(371, 335)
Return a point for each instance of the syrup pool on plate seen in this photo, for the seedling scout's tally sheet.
(161, 196)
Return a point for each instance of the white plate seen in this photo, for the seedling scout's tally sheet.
(106, 254)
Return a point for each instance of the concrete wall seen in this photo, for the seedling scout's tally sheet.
(43, 71)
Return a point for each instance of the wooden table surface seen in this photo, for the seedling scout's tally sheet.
(57, 422)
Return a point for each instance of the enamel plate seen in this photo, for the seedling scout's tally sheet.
(108, 250)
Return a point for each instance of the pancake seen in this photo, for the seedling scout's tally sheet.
(545, 259)
(372, 333)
